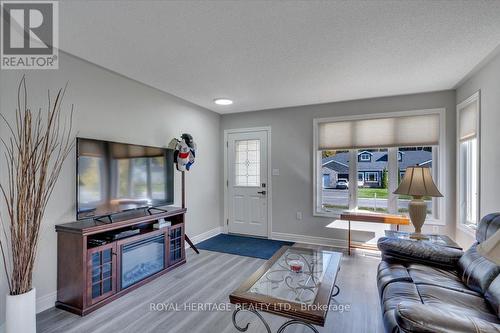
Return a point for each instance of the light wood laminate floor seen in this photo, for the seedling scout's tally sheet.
(209, 278)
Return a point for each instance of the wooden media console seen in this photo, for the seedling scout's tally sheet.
(97, 262)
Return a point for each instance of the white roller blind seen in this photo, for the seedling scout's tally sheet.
(422, 130)
(467, 122)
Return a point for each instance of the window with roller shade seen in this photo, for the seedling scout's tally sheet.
(392, 142)
(468, 160)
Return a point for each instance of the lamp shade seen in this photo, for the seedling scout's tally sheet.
(418, 182)
(490, 248)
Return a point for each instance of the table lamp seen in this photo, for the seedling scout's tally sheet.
(418, 183)
(490, 248)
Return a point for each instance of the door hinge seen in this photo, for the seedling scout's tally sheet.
(227, 222)
(227, 183)
(227, 144)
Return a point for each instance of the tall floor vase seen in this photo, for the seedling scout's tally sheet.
(21, 313)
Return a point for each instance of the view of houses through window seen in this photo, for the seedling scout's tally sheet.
(411, 156)
(372, 183)
(335, 171)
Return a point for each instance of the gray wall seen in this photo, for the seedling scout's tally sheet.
(292, 140)
(486, 79)
(111, 107)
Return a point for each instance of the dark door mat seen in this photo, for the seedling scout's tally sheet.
(242, 245)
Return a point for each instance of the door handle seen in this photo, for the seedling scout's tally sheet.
(262, 192)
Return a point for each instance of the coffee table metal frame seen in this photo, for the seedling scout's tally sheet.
(253, 302)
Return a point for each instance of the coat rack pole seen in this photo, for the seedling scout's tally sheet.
(183, 189)
(183, 185)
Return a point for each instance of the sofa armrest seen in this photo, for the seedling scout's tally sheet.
(421, 318)
(419, 252)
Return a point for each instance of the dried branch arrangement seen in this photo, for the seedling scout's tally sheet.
(35, 151)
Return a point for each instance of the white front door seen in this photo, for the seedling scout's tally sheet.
(247, 183)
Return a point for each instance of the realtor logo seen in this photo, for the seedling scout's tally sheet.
(29, 37)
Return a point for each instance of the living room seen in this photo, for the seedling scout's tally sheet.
(291, 166)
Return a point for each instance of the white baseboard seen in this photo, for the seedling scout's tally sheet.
(46, 302)
(206, 235)
(309, 239)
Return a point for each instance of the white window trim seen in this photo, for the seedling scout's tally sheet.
(438, 155)
(372, 173)
(474, 98)
(361, 157)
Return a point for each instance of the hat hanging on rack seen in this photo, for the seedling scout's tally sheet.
(185, 151)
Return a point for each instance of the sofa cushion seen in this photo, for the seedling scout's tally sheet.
(397, 292)
(492, 295)
(422, 274)
(388, 273)
(421, 318)
(390, 323)
(487, 227)
(467, 304)
(393, 294)
(476, 271)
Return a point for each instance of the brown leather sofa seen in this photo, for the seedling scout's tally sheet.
(430, 288)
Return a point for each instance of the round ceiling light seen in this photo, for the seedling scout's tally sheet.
(223, 101)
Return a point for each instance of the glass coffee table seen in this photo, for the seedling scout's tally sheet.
(297, 283)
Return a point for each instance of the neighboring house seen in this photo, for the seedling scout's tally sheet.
(330, 177)
(333, 171)
(371, 165)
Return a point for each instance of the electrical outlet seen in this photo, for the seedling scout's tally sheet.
(435, 229)
(299, 216)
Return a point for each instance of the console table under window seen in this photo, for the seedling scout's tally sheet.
(371, 218)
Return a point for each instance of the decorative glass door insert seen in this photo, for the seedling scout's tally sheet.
(247, 163)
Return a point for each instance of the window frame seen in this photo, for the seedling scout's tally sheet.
(469, 227)
(375, 179)
(438, 172)
(362, 174)
(361, 155)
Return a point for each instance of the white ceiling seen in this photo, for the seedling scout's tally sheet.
(265, 54)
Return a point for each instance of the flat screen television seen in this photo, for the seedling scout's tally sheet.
(115, 177)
